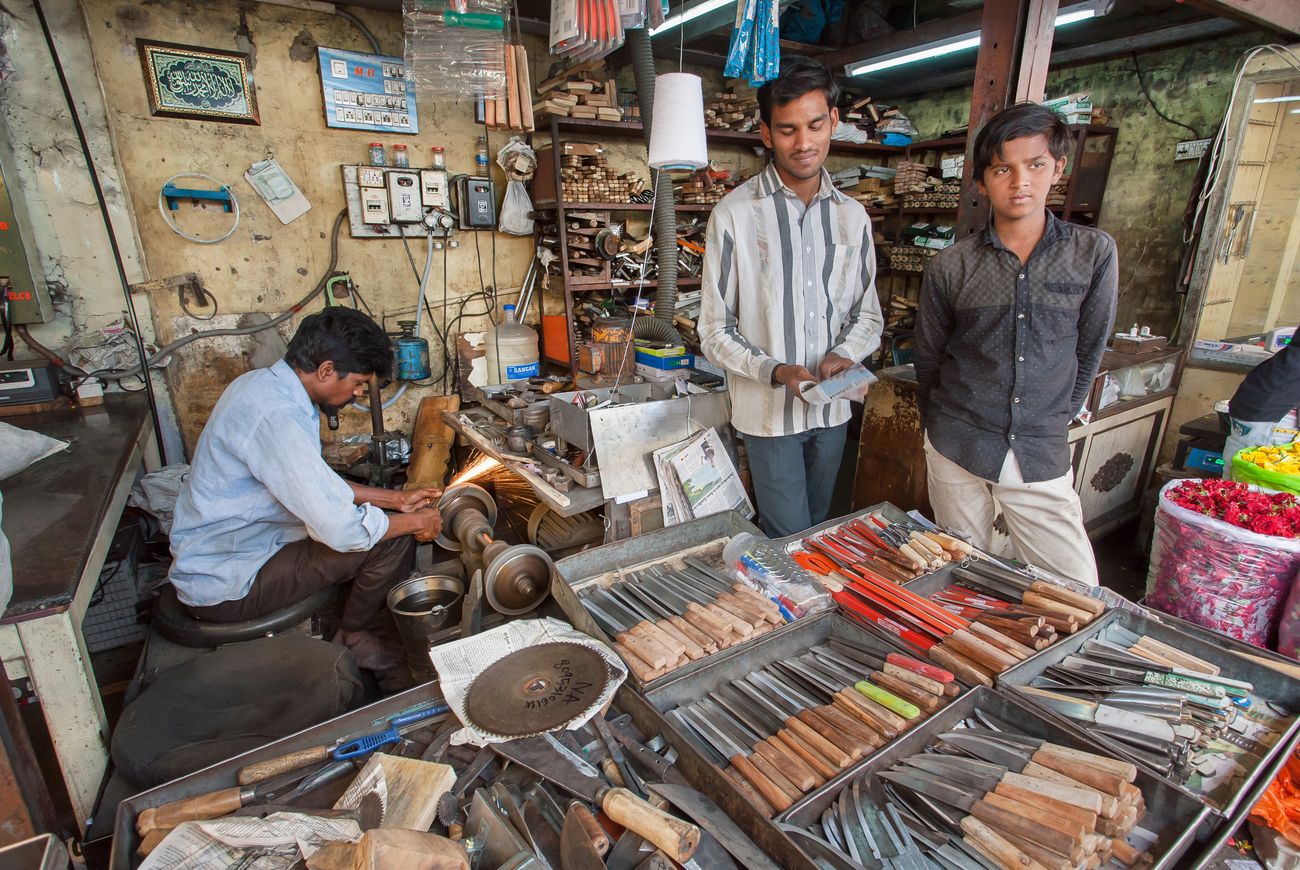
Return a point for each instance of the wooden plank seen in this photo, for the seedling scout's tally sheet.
(1036, 54)
(431, 440)
(524, 84)
(1280, 16)
(512, 92)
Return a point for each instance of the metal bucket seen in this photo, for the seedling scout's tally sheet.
(420, 606)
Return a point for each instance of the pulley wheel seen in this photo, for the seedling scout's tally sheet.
(456, 499)
(518, 580)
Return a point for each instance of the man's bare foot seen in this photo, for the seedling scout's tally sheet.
(369, 651)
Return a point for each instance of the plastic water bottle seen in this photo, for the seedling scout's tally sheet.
(481, 157)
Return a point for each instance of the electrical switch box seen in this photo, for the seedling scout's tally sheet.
(404, 197)
(21, 283)
(374, 205)
(478, 202)
(433, 189)
(370, 176)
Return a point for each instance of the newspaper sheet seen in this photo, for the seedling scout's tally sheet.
(707, 479)
(277, 842)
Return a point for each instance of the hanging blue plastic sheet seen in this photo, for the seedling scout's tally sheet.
(755, 50)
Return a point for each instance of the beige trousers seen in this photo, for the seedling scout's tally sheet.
(1044, 519)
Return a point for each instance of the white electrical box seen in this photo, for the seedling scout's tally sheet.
(433, 188)
(374, 205)
(404, 196)
(370, 176)
(1191, 149)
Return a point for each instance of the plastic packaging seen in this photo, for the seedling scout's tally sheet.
(1218, 575)
(1278, 807)
(1270, 466)
(511, 351)
(455, 49)
(519, 162)
(769, 570)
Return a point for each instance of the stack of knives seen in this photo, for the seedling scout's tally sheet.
(1032, 612)
(980, 798)
(1161, 712)
(663, 617)
(792, 726)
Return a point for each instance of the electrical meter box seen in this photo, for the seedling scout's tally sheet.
(374, 205)
(433, 189)
(404, 196)
(478, 202)
(20, 279)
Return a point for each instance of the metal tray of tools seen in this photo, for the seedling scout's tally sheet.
(703, 538)
(223, 774)
(791, 542)
(677, 688)
(1268, 683)
(1177, 819)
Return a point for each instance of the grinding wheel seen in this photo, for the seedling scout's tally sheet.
(456, 499)
(537, 689)
(518, 579)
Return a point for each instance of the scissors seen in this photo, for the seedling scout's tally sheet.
(824, 568)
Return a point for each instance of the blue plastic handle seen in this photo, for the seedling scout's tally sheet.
(418, 716)
(367, 744)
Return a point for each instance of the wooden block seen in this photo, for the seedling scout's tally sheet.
(511, 100)
(524, 87)
(383, 848)
(578, 87)
(431, 440)
(414, 788)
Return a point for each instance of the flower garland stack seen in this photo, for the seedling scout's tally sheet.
(1225, 556)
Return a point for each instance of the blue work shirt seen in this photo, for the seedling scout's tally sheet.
(258, 482)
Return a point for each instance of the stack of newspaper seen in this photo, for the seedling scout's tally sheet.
(697, 479)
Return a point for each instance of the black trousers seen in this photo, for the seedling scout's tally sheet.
(304, 567)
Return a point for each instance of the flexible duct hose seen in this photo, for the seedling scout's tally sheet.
(660, 327)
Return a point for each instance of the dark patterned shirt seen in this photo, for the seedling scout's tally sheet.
(1005, 353)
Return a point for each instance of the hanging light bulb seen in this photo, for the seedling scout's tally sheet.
(677, 133)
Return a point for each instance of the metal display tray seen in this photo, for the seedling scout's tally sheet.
(1178, 819)
(1268, 683)
(648, 712)
(222, 774)
(791, 542)
(703, 538)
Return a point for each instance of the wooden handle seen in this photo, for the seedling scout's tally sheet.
(693, 650)
(1046, 857)
(948, 542)
(797, 770)
(677, 839)
(829, 751)
(1023, 827)
(960, 666)
(888, 724)
(1037, 599)
(645, 649)
(1110, 805)
(151, 840)
(1124, 852)
(732, 621)
(981, 651)
(766, 606)
(1054, 806)
(860, 733)
(1084, 798)
(914, 557)
(1099, 779)
(927, 702)
(832, 734)
(747, 789)
(823, 768)
(743, 608)
(798, 778)
(643, 671)
(779, 800)
(1123, 769)
(931, 546)
(199, 807)
(1065, 596)
(699, 638)
(905, 709)
(776, 775)
(255, 773)
(925, 684)
(582, 815)
(992, 845)
(1001, 641)
(709, 624)
(1071, 829)
(664, 639)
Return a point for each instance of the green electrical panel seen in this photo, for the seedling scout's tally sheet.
(20, 277)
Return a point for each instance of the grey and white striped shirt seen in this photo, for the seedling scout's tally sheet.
(786, 283)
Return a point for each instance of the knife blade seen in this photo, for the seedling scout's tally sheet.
(1021, 762)
(677, 839)
(711, 818)
(733, 752)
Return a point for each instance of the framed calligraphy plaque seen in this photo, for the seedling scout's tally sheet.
(202, 84)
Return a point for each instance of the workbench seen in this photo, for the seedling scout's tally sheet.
(60, 515)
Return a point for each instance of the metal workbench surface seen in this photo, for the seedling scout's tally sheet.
(54, 508)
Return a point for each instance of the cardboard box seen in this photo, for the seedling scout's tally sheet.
(663, 363)
(655, 374)
(931, 242)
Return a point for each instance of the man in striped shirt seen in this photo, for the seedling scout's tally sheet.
(789, 296)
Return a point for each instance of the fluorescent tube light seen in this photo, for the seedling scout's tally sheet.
(690, 15)
(1069, 15)
(1291, 99)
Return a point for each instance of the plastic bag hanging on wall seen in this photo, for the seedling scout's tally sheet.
(755, 50)
(455, 49)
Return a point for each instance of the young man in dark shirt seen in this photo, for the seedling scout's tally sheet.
(1263, 410)
(1012, 324)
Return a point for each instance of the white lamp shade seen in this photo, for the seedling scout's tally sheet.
(677, 136)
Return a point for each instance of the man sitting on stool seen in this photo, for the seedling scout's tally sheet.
(262, 522)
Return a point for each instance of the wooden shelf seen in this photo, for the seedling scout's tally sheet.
(716, 136)
(629, 285)
(950, 209)
(617, 206)
(944, 142)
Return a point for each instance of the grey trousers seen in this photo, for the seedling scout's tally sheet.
(794, 477)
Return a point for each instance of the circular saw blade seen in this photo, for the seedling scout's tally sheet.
(536, 690)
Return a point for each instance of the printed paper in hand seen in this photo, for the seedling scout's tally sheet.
(851, 383)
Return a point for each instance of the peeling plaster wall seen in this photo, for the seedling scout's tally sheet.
(1147, 191)
(266, 266)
